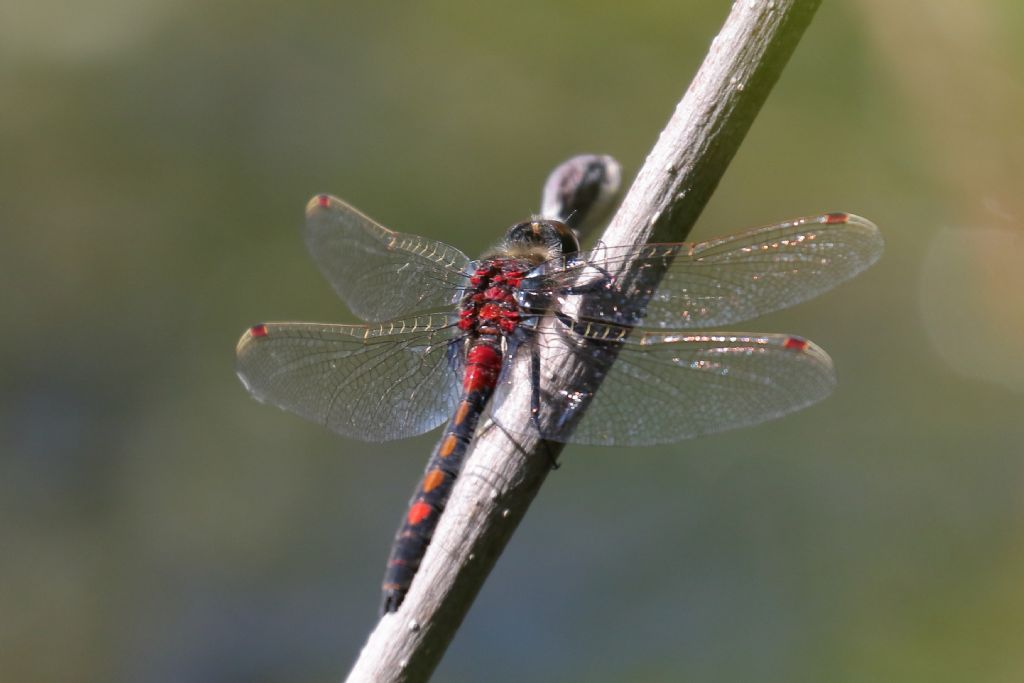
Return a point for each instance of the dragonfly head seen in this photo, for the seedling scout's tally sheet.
(539, 240)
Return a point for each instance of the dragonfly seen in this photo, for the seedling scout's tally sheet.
(443, 333)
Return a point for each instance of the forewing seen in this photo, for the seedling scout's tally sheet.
(381, 274)
(718, 282)
(368, 382)
(660, 388)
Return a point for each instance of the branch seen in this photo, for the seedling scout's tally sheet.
(502, 474)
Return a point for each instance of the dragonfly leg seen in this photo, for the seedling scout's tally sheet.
(535, 398)
(605, 281)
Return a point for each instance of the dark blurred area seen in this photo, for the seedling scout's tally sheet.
(159, 525)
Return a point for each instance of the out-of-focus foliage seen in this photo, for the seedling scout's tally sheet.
(158, 525)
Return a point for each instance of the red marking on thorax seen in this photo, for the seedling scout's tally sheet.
(513, 277)
(418, 512)
(489, 311)
(509, 320)
(258, 330)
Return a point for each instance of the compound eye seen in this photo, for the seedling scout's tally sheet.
(541, 239)
(566, 237)
(523, 233)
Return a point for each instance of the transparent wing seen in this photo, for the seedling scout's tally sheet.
(368, 382)
(718, 282)
(381, 274)
(661, 388)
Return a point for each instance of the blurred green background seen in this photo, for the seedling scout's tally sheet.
(159, 525)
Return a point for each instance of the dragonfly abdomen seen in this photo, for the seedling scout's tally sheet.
(487, 313)
(483, 365)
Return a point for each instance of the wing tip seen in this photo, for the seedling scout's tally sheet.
(320, 202)
(804, 346)
(847, 218)
(794, 343)
(835, 218)
(871, 243)
(851, 219)
(249, 336)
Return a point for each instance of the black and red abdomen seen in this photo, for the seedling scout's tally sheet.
(487, 313)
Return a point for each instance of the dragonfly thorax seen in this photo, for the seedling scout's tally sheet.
(539, 240)
(489, 307)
